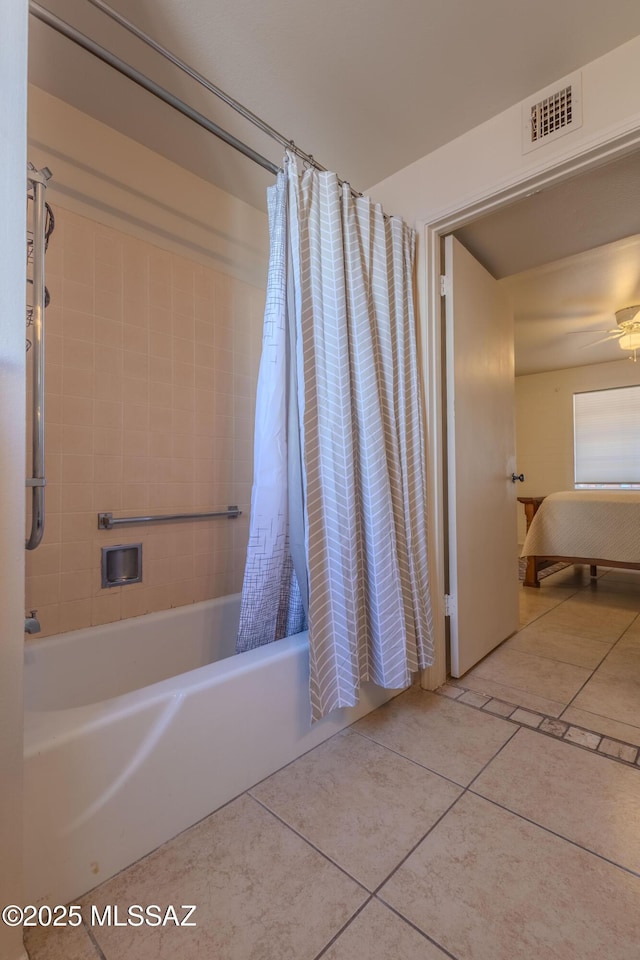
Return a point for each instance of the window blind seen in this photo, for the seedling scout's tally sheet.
(607, 436)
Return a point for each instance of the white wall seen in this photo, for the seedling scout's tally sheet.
(489, 158)
(13, 88)
(472, 174)
(544, 423)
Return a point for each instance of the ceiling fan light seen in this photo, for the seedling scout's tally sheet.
(628, 315)
(630, 341)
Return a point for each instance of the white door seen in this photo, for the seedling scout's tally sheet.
(483, 571)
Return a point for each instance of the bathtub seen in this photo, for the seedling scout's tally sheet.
(136, 730)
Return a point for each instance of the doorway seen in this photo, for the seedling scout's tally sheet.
(465, 219)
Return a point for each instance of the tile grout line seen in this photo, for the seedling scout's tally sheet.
(310, 843)
(598, 665)
(553, 833)
(343, 928)
(549, 720)
(99, 951)
(411, 924)
(371, 895)
(416, 763)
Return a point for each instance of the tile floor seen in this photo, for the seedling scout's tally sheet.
(465, 824)
(576, 656)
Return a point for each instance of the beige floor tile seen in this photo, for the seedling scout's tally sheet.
(499, 708)
(626, 576)
(613, 697)
(538, 675)
(610, 595)
(623, 661)
(634, 628)
(623, 751)
(587, 620)
(359, 803)
(543, 640)
(443, 735)
(582, 796)
(605, 725)
(488, 885)
(261, 893)
(59, 943)
(526, 717)
(585, 738)
(512, 695)
(572, 578)
(379, 934)
(534, 603)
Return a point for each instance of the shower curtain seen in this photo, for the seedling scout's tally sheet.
(354, 407)
(272, 605)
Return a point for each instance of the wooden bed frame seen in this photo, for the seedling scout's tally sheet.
(535, 564)
(538, 563)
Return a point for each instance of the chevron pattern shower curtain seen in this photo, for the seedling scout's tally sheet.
(352, 326)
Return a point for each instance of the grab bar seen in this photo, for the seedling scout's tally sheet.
(37, 480)
(106, 521)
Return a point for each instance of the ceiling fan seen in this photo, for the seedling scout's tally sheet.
(627, 332)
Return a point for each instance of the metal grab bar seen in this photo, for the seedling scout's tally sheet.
(106, 521)
(37, 481)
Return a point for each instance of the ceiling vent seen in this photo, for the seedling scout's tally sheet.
(552, 113)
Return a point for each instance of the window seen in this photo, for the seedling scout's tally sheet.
(606, 433)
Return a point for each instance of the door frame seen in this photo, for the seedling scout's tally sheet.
(431, 346)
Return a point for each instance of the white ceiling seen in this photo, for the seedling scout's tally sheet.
(561, 309)
(568, 257)
(368, 87)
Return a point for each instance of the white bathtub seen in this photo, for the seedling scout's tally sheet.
(138, 729)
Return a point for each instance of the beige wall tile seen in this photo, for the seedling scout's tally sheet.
(105, 609)
(42, 590)
(75, 555)
(75, 614)
(75, 585)
(108, 304)
(45, 560)
(134, 603)
(76, 439)
(75, 497)
(76, 411)
(146, 368)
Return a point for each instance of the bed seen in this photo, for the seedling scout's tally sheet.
(594, 527)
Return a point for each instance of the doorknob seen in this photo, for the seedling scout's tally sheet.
(517, 476)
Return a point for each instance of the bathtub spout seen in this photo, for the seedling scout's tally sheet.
(32, 624)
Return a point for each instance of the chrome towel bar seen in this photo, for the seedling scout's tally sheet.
(106, 521)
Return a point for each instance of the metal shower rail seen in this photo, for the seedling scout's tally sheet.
(37, 482)
(107, 521)
(61, 26)
(64, 28)
(203, 81)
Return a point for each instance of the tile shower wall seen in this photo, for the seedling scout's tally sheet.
(151, 367)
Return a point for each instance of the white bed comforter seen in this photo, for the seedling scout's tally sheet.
(595, 524)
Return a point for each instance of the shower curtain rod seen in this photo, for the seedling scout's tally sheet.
(61, 26)
(206, 83)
